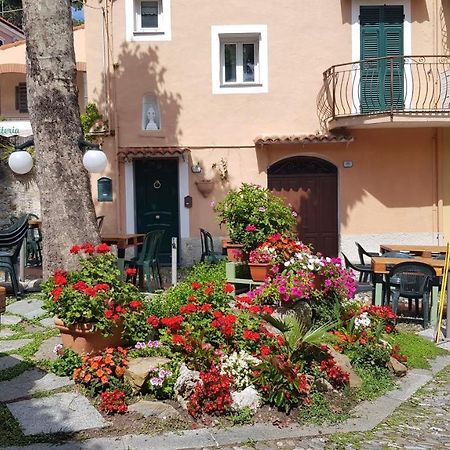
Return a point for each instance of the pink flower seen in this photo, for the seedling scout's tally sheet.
(250, 228)
(262, 209)
(294, 214)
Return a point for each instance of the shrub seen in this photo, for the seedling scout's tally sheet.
(66, 362)
(252, 213)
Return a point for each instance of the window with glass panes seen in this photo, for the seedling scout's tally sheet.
(148, 14)
(239, 61)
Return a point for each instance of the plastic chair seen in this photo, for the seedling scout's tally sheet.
(415, 283)
(364, 276)
(34, 239)
(100, 220)
(147, 262)
(10, 245)
(208, 253)
(365, 271)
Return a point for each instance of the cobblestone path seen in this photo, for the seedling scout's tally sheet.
(421, 423)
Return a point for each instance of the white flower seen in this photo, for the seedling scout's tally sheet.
(362, 321)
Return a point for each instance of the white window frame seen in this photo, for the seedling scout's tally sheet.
(134, 31)
(239, 34)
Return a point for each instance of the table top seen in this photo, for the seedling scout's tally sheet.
(382, 265)
(423, 250)
(123, 240)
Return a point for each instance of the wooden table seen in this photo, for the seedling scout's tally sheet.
(381, 266)
(122, 242)
(420, 250)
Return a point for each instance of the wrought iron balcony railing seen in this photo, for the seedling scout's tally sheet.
(391, 85)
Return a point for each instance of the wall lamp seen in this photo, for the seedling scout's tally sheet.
(94, 160)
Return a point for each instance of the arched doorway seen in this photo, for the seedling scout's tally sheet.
(309, 185)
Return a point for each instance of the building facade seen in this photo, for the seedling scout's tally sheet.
(335, 105)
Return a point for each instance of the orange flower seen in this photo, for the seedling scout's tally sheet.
(104, 379)
(111, 350)
(120, 371)
(100, 373)
(87, 378)
(94, 365)
(108, 359)
(108, 370)
(76, 373)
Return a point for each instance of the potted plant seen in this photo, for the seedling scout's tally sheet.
(91, 304)
(260, 261)
(252, 213)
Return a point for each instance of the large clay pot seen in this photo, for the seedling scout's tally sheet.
(2, 299)
(259, 272)
(235, 253)
(82, 338)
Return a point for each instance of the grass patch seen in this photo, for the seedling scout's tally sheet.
(324, 410)
(417, 349)
(15, 371)
(375, 383)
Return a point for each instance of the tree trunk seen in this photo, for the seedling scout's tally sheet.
(67, 210)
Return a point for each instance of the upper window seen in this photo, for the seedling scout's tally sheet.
(239, 59)
(148, 20)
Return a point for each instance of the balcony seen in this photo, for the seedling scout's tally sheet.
(394, 91)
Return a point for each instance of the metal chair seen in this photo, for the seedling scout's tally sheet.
(415, 283)
(147, 263)
(208, 253)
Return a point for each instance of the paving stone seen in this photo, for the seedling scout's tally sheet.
(7, 346)
(65, 412)
(30, 382)
(10, 320)
(29, 309)
(31, 328)
(9, 361)
(154, 409)
(46, 349)
(48, 322)
(6, 332)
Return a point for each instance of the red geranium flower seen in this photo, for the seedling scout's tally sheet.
(79, 286)
(75, 249)
(251, 335)
(188, 309)
(60, 278)
(264, 350)
(131, 271)
(56, 293)
(102, 287)
(195, 285)
(153, 321)
(92, 292)
(205, 307)
(108, 314)
(102, 248)
(209, 290)
(135, 304)
(228, 288)
(88, 248)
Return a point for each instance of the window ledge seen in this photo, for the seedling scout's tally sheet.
(239, 85)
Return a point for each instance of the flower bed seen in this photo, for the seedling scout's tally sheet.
(217, 354)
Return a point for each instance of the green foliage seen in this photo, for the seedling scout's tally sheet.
(241, 417)
(375, 382)
(417, 349)
(66, 363)
(368, 356)
(319, 411)
(203, 272)
(89, 117)
(255, 207)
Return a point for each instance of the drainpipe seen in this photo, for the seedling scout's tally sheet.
(437, 201)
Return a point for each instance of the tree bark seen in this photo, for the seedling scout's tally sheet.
(67, 210)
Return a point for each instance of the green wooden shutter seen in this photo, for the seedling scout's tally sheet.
(381, 35)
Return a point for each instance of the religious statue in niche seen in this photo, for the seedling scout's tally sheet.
(150, 116)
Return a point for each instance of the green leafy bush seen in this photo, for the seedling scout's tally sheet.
(66, 362)
(252, 213)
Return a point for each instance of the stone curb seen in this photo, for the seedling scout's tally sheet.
(369, 415)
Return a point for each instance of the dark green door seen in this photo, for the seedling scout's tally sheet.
(156, 187)
(381, 81)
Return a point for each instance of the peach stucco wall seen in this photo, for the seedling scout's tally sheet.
(393, 184)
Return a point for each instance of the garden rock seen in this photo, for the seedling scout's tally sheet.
(10, 320)
(159, 410)
(396, 367)
(249, 398)
(323, 385)
(185, 385)
(7, 346)
(301, 309)
(29, 309)
(343, 362)
(139, 369)
(46, 349)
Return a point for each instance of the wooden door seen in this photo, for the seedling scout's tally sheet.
(310, 187)
(156, 187)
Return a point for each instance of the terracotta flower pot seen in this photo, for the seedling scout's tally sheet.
(205, 187)
(82, 338)
(259, 272)
(235, 253)
(319, 281)
(2, 299)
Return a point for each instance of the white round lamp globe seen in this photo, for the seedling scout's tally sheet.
(20, 162)
(95, 161)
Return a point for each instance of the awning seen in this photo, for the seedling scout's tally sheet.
(303, 139)
(10, 128)
(126, 154)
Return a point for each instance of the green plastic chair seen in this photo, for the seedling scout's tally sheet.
(147, 262)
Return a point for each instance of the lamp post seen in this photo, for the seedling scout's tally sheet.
(94, 160)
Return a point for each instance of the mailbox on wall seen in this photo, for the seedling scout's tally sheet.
(104, 189)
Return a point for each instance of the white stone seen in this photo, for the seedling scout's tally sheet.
(185, 385)
(249, 397)
(29, 309)
(7, 346)
(154, 409)
(10, 320)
